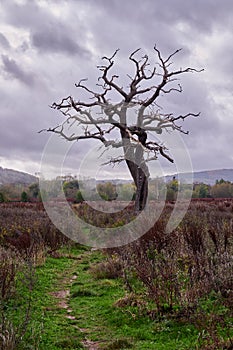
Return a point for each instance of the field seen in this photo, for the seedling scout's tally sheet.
(163, 291)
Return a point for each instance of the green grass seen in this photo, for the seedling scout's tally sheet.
(93, 303)
(48, 328)
(97, 316)
(58, 332)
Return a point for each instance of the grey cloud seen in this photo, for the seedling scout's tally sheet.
(12, 68)
(21, 119)
(223, 56)
(24, 15)
(202, 15)
(56, 40)
(4, 42)
(171, 24)
(48, 33)
(104, 26)
(24, 46)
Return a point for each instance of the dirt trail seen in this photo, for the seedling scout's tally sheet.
(63, 297)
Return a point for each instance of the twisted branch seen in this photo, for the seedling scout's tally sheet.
(113, 116)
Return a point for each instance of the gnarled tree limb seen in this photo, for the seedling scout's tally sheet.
(100, 117)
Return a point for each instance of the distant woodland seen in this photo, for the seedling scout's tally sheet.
(109, 191)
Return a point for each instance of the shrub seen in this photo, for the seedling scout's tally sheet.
(109, 269)
(9, 263)
(180, 267)
(2, 198)
(79, 197)
(24, 197)
(16, 276)
(26, 227)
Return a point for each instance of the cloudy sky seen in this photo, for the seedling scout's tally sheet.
(46, 46)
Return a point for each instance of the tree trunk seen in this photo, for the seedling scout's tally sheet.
(140, 174)
(141, 191)
(134, 157)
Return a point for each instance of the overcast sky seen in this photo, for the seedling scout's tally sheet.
(46, 46)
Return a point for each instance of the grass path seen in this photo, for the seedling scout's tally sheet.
(72, 310)
(86, 305)
(89, 306)
(67, 278)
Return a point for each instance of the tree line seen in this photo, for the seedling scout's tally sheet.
(108, 191)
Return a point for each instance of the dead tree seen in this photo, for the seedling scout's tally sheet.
(145, 87)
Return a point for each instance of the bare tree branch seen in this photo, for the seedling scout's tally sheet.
(114, 161)
(100, 118)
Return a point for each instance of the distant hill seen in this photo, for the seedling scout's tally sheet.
(208, 177)
(10, 176)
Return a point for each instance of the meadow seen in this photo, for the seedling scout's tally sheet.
(164, 291)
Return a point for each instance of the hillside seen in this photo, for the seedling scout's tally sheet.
(10, 176)
(208, 177)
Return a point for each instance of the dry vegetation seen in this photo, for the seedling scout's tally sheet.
(182, 266)
(27, 228)
(26, 237)
(186, 274)
(171, 274)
